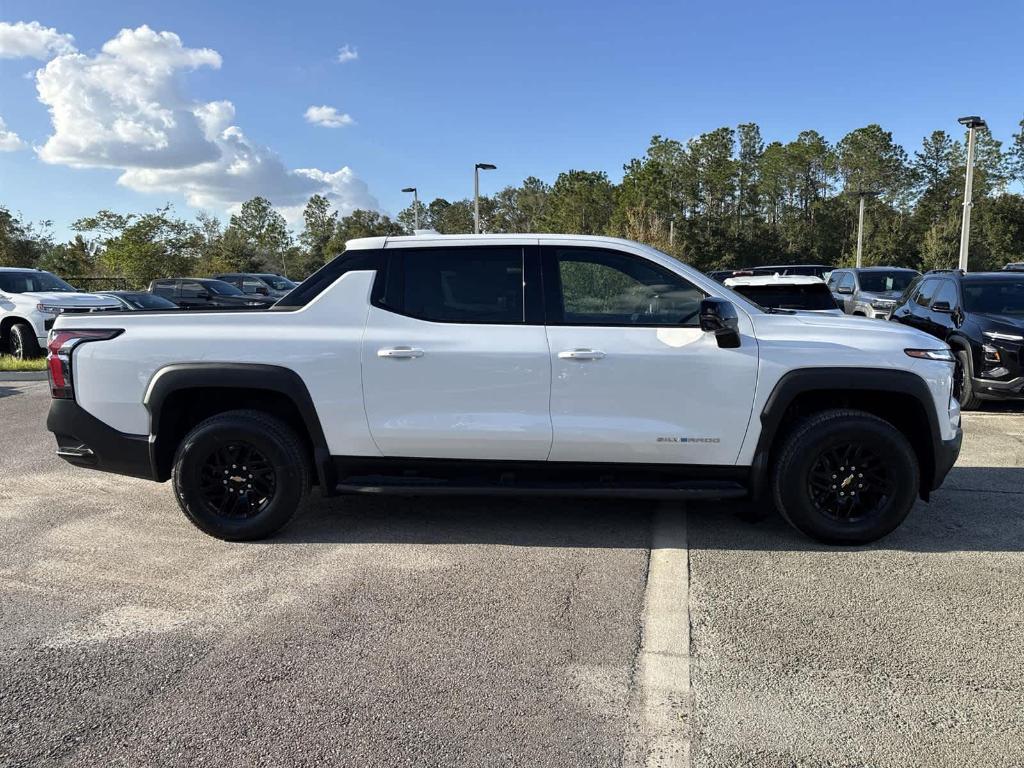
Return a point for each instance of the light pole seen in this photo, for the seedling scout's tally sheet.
(863, 194)
(972, 123)
(415, 206)
(476, 193)
(671, 230)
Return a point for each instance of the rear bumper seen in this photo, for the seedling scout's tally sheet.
(85, 441)
(946, 453)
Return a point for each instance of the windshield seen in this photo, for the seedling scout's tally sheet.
(149, 301)
(815, 297)
(882, 282)
(26, 282)
(277, 282)
(995, 297)
(221, 288)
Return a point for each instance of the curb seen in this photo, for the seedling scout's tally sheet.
(22, 376)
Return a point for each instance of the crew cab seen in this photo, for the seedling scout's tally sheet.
(30, 300)
(510, 364)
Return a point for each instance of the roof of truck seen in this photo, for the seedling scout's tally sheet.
(432, 238)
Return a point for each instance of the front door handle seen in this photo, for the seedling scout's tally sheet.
(581, 354)
(400, 352)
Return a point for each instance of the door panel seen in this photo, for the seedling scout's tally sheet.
(632, 379)
(477, 387)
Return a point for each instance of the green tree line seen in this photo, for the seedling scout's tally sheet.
(723, 199)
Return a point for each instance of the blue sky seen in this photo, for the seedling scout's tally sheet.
(534, 87)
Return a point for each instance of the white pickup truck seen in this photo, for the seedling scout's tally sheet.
(515, 364)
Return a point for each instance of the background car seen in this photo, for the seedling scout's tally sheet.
(803, 293)
(870, 291)
(813, 270)
(981, 316)
(206, 293)
(1014, 266)
(259, 283)
(136, 300)
(30, 301)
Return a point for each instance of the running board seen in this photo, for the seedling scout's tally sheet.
(429, 487)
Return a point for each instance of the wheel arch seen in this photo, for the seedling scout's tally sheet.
(180, 396)
(901, 398)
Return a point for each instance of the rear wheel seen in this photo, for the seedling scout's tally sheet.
(22, 342)
(846, 477)
(963, 376)
(240, 475)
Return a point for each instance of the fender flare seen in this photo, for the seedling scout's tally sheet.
(272, 378)
(838, 380)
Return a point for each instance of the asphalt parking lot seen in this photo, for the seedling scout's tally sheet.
(383, 632)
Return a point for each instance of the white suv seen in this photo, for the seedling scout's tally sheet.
(517, 364)
(30, 300)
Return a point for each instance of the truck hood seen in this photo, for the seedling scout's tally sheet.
(73, 300)
(815, 331)
(1011, 323)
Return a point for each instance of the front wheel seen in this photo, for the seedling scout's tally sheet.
(240, 475)
(22, 342)
(846, 477)
(963, 387)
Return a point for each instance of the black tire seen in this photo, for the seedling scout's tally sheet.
(887, 479)
(22, 342)
(250, 502)
(963, 376)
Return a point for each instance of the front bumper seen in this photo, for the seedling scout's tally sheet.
(85, 441)
(991, 389)
(946, 453)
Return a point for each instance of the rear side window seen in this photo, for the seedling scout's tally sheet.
(456, 285)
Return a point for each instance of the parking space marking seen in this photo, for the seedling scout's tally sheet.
(664, 660)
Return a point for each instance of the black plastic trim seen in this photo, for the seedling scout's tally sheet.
(85, 441)
(272, 378)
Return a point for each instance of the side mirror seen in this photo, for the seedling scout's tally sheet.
(942, 306)
(844, 289)
(719, 316)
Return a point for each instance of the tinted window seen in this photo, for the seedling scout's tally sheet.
(26, 282)
(816, 296)
(277, 282)
(996, 297)
(946, 293)
(221, 288)
(164, 287)
(148, 301)
(879, 282)
(458, 285)
(925, 292)
(251, 285)
(610, 288)
(846, 281)
(192, 289)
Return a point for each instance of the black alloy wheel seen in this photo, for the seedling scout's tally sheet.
(237, 481)
(849, 482)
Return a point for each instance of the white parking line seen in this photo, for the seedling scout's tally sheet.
(664, 661)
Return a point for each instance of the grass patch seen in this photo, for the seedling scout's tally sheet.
(8, 363)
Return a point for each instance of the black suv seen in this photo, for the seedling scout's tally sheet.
(981, 316)
(204, 293)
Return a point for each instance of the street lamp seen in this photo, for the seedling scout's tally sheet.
(972, 123)
(863, 194)
(415, 206)
(476, 193)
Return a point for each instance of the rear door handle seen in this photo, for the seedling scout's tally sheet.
(400, 352)
(581, 354)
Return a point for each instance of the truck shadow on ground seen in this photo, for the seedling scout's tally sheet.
(977, 509)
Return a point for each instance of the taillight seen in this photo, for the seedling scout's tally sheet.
(58, 358)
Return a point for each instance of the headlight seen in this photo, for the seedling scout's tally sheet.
(882, 304)
(49, 309)
(996, 336)
(942, 355)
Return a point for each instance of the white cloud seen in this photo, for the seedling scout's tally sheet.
(32, 40)
(328, 117)
(347, 53)
(126, 107)
(9, 140)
